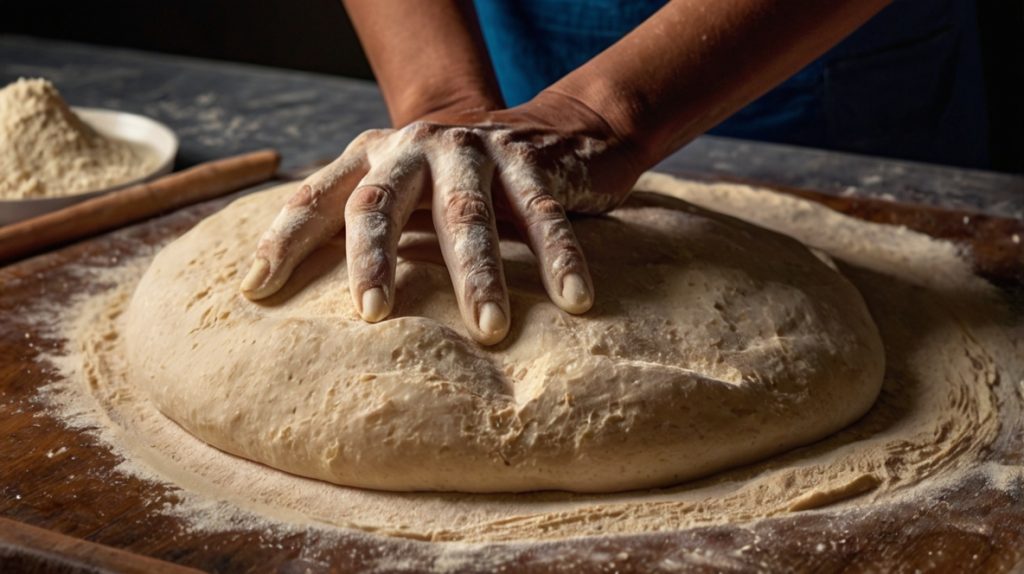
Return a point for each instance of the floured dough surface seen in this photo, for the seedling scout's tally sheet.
(712, 343)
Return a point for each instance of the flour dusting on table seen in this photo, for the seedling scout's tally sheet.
(954, 375)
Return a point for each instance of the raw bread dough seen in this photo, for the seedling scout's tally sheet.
(712, 343)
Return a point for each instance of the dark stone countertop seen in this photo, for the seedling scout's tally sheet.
(221, 108)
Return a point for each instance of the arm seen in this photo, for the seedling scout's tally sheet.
(426, 56)
(695, 62)
(579, 145)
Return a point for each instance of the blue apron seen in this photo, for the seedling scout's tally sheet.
(907, 84)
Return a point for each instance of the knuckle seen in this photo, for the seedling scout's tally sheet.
(265, 245)
(559, 239)
(463, 138)
(567, 256)
(482, 278)
(553, 239)
(504, 138)
(369, 262)
(482, 269)
(528, 154)
(271, 246)
(303, 197)
(370, 136)
(467, 209)
(560, 236)
(543, 207)
(421, 130)
(369, 199)
(362, 142)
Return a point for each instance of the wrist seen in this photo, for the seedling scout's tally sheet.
(567, 112)
(420, 102)
(619, 109)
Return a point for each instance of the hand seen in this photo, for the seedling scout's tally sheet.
(528, 164)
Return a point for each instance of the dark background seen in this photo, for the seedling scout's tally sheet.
(316, 35)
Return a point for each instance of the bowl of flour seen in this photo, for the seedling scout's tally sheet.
(53, 155)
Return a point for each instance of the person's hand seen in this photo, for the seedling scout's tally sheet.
(529, 164)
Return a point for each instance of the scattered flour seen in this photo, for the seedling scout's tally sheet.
(955, 358)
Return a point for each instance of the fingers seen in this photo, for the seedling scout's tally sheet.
(464, 220)
(542, 221)
(312, 216)
(375, 215)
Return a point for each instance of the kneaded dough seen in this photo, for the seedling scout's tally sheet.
(712, 343)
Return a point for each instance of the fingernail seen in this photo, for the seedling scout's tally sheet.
(375, 305)
(257, 275)
(492, 320)
(575, 291)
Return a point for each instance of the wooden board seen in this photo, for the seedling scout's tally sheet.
(64, 481)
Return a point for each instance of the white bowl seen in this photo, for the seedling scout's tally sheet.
(133, 128)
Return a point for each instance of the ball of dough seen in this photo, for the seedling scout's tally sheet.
(712, 343)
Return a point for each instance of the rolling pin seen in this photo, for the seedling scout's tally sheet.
(135, 203)
(996, 244)
(29, 548)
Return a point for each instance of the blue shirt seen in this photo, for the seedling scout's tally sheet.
(907, 84)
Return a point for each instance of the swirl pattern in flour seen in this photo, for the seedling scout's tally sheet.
(950, 411)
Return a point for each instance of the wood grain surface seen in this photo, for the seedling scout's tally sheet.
(28, 548)
(136, 202)
(66, 482)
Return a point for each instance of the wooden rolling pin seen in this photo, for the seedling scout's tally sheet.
(25, 548)
(122, 207)
(996, 244)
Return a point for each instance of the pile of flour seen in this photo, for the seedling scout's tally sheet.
(48, 151)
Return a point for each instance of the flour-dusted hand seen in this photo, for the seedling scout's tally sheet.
(578, 145)
(528, 164)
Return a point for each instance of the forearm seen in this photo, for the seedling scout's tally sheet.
(695, 62)
(426, 55)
